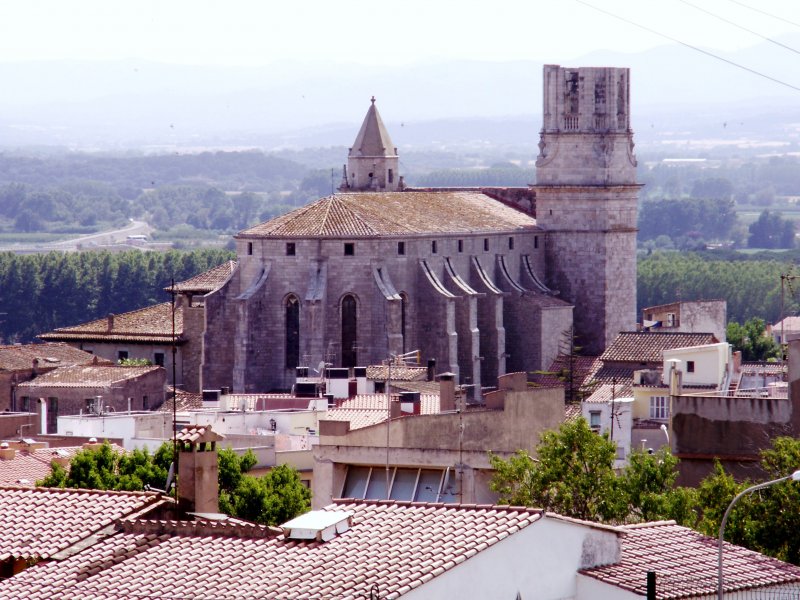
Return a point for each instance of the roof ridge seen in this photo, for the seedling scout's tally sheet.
(226, 528)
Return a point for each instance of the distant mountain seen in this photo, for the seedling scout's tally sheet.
(160, 107)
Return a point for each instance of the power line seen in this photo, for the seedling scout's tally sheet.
(695, 48)
(729, 22)
(763, 12)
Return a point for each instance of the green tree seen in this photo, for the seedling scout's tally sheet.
(648, 485)
(103, 468)
(752, 339)
(573, 475)
(771, 231)
(272, 499)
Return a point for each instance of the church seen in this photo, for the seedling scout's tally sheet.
(484, 281)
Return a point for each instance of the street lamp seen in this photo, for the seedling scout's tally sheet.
(793, 477)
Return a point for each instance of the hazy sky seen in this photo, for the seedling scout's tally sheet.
(252, 32)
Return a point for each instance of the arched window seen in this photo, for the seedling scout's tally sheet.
(349, 338)
(292, 332)
(403, 318)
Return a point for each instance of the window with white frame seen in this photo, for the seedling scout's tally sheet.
(594, 419)
(659, 407)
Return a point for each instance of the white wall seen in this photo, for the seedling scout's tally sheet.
(539, 562)
(623, 423)
(710, 363)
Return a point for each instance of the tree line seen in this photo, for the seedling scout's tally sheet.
(750, 285)
(40, 292)
(271, 499)
(573, 475)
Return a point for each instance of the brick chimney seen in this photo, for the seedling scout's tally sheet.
(110, 324)
(447, 392)
(197, 470)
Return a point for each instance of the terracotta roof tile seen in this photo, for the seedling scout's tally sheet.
(207, 282)
(582, 367)
(399, 373)
(38, 522)
(49, 354)
(185, 400)
(688, 560)
(604, 393)
(647, 346)
(395, 545)
(87, 376)
(150, 324)
(370, 409)
(368, 214)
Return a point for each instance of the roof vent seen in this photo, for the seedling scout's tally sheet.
(319, 525)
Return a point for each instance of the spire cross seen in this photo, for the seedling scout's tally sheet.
(372, 99)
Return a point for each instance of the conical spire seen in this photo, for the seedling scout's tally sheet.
(372, 138)
(372, 162)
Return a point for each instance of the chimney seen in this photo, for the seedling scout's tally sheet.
(197, 470)
(431, 369)
(395, 410)
(7, 453)
(110, 324)
(35, 366)
(92, 444)
(60, 457)
(447, 392)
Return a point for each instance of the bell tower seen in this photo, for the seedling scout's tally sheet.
(587, 198)
(372, 162)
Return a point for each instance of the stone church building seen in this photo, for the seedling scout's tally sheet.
(485, 281)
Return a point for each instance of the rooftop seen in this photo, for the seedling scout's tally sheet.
(687, 560)
(370, 409)
(152, 324)
(38, 522)
(207, 282)
(397, 546)
(399, 373)
(369, 214)
(49, 355)
(648, 346)
(87, 376)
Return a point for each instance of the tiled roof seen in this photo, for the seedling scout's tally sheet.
(788, 324)
(370, 409)
(399, 373)
(766, 368)
(49, 354)
(194, 433)
(38, 522)
(208, 281)
(185, 400)
(369, 214)
(647, 346)
(572, 412)
(146, 325)
(604, 393)
(28, 467)
(582, 367)
(87, 376)
(397, 546)
(687, 560)
(423, 387)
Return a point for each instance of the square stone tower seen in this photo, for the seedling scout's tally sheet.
(586, 198)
